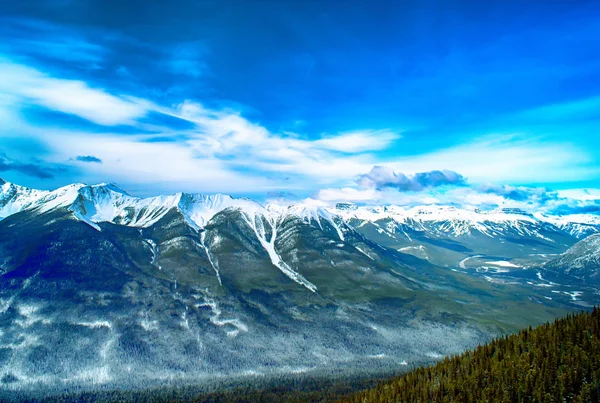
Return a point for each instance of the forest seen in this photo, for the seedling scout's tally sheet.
(554, 362)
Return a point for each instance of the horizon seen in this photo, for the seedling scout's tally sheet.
(548, 210)
(396, 103)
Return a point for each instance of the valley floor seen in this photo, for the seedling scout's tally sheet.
(554, 362)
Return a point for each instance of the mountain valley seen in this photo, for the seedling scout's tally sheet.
(102, 289)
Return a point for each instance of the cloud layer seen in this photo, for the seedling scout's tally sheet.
(384, 186)
(382, 177)
(220, 150)
(102, 105)
(36, 170)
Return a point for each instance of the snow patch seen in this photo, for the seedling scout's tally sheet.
(364, 253)
(94, 325)
(216, 319)
(462, 263)
(212, 263)
(503, 263)
(257, 223)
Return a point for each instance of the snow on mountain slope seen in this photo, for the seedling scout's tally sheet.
(199, 209)
(434, 213)
(577, 225)
(267, 240)
(15, 198)
(107, 203)
(582, 260)
(310, 214)
(454, 221)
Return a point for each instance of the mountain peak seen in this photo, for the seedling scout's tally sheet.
(106, 202)
(2, 181)
(111, 187)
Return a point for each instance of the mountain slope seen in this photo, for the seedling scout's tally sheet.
(447, 235)
(99, 288)
(581, 261)
(553, 362)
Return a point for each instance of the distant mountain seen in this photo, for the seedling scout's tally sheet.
(445, 235)
(581, 261)
(448, 220)
(98, 287)
(107, 203)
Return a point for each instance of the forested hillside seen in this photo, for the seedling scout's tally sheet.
(558, 362)
(555, 362)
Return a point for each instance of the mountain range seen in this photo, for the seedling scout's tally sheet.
(99, 288)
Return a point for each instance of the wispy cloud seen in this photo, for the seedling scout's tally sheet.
(360, 141)
(28, 85)
(191, 146)
(571, 110)
(188, 59)
(508, 158)
(36, 39)
(243, 144)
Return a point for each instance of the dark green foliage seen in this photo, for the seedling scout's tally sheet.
(557, 362)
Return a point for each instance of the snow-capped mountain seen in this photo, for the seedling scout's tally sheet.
(107, 203)
(15, 198)
(100, 287)
(578, 225)
(457, 222)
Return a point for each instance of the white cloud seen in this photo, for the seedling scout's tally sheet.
(467, 197)
(356, 142)
(581, 108)
(348, 194)
(68, 96)
(580, 194)
(227, 152)
(507, 159)
(157, 166)
(538, 200)
(381, 177)
(244, 144)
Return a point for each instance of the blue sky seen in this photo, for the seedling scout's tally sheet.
(302, 97)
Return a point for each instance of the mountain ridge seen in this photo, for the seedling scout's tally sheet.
(127, 290)
(108, 203)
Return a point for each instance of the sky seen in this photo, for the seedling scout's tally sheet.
(398, 102)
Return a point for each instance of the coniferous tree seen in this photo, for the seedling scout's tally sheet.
(557, 362)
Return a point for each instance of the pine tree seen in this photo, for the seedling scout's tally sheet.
(558, 362)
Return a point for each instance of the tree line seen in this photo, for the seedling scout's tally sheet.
(555, 362)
